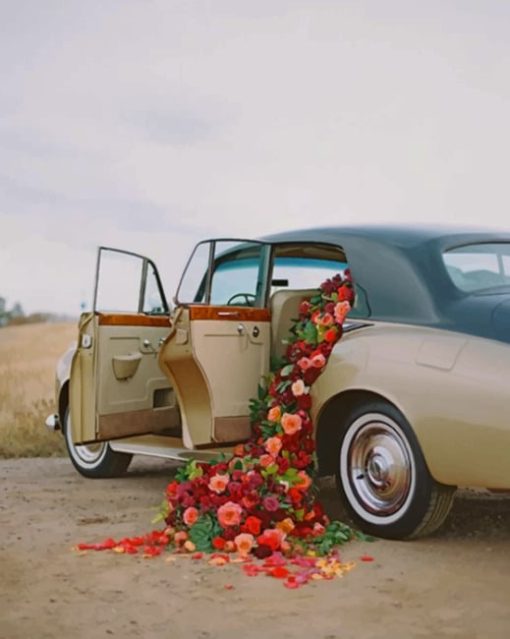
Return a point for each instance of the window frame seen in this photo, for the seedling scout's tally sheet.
(206, 282)
(143, 281)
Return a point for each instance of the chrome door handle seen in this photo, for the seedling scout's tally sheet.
(241, 329)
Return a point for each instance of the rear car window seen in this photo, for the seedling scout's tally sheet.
(479, 267)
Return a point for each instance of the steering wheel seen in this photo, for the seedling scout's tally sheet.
(249, 299)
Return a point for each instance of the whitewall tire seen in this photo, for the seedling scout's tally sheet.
(96, 460)
(382, 476)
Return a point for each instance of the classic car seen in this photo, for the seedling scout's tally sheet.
(413, 401)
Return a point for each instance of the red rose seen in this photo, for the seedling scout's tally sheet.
(304, 401)
(218, 543)
(345, 293)
(252, 525)
(330, 335)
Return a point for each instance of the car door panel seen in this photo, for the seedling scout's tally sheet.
(134, 396)
(117, 388)
(215, 359)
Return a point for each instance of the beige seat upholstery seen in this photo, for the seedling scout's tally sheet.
(284, 306)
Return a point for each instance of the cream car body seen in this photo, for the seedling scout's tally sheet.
(420, 341)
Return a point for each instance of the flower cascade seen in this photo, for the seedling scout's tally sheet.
(262, 501)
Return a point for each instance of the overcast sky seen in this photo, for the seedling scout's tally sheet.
(149, 125)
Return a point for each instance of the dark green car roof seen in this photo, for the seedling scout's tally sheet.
(401, 272)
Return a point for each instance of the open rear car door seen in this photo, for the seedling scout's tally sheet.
(117, 387)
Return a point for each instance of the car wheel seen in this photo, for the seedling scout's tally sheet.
(95, 460)
(383, 478)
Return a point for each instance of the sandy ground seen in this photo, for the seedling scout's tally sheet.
(454, 584)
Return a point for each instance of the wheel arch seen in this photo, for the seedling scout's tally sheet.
(328, 423)
(63, 403)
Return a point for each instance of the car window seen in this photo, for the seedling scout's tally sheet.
(307, 266)
(127, 282)
(236, 277)
(192, 287)
(303, 272)
(153, 302)
(476, 267)
(118, 282)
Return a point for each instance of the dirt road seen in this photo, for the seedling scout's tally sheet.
(455, 584)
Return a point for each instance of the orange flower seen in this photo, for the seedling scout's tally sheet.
(274, 414)
(286, 525)
(266, 460)
(218, 483)
(229, 546)
(180, 536)
(239, 450)
(190, 516)
(298, 388)
(244, 543)
(273, 445)
(229, 514)
(291, 423)
(304, 481)
(325, 320)
(341, 310)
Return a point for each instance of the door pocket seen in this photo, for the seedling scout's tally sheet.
(125, 366)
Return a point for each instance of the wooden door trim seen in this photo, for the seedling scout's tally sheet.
(133, 319)
(229, 313)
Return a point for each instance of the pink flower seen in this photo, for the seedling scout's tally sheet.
(229, 514)
(273, 445)
(291, 423)
(341, 310)
(271, 503)
(218, 483)
(304, 363)
(298, 388)
(190, 516)
(244, 543)
(318, 361)
(274, 414)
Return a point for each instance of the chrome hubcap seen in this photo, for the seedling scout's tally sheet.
(379, 468)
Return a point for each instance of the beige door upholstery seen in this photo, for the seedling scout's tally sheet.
(215, 359)
(131, 394)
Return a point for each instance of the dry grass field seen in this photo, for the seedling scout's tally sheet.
(28, 356)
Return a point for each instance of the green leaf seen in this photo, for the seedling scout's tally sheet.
(203, 531)
(193, 470)
(287, 370)
(310, 333)
(282, 386)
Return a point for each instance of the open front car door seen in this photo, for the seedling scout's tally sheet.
(218, 348)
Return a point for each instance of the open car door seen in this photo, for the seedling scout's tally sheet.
(219, 345)
(117, 388)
